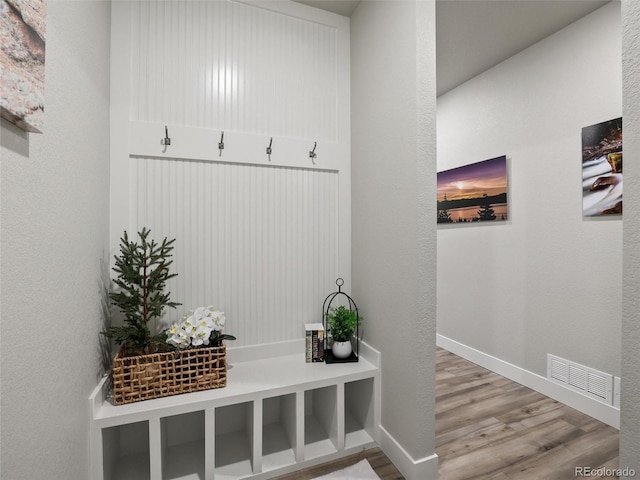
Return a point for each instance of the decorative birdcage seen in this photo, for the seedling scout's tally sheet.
(341, 321)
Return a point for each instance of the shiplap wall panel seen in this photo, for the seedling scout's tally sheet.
(263, 238)
(260, 243)
(228, 65)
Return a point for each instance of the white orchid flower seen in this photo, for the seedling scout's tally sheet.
(196, 327)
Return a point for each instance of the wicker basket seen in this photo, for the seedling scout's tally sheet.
(162, 374)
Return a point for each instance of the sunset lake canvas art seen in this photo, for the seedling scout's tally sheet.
(474, 193)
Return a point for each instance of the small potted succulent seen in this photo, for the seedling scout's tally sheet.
(342, 324)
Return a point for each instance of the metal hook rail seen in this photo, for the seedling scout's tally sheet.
(166, 140)
(312, 153)
(221, 143)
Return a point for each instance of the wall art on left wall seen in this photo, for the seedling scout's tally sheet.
(22, 53)
(602, 168)
(474, 193)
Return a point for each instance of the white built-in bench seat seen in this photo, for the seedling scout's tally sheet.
(276, 414)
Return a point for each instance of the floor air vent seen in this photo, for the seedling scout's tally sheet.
(583, 379)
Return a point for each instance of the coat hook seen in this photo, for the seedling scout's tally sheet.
(166, 140)
(312, 153)
(269, 150)
(221, 143)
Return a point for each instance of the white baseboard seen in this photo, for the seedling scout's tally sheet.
(598, 410)
(422, 469)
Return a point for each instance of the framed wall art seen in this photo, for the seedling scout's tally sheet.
(602, 168)
(22, 53)
(474, 193)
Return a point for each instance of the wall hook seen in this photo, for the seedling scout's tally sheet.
(269, 150)
(166, 140)
(221, 143)
(312, 153)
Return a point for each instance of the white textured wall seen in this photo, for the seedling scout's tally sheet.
(630, 411)
(548, 280)
(54, 237)
(393, 201)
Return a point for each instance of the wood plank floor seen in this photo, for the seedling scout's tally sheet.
(490, 428)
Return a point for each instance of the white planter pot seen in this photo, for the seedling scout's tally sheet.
(341, 349)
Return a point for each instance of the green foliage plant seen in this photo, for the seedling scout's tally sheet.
(342, 323)
(142, 270)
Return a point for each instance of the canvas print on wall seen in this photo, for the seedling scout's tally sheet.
(474, 193)
(22, 45)
(602, 168)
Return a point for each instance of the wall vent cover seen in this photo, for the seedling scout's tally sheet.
(590, 382)
(578, 377)
(598, 385)
(559, 370)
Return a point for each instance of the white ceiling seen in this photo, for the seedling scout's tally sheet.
(475, 35)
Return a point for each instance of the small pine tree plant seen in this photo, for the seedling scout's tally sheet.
(142, 272)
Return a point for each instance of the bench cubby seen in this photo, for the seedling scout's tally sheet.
(276, 414)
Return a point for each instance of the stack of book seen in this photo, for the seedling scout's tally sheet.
(314, 342)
